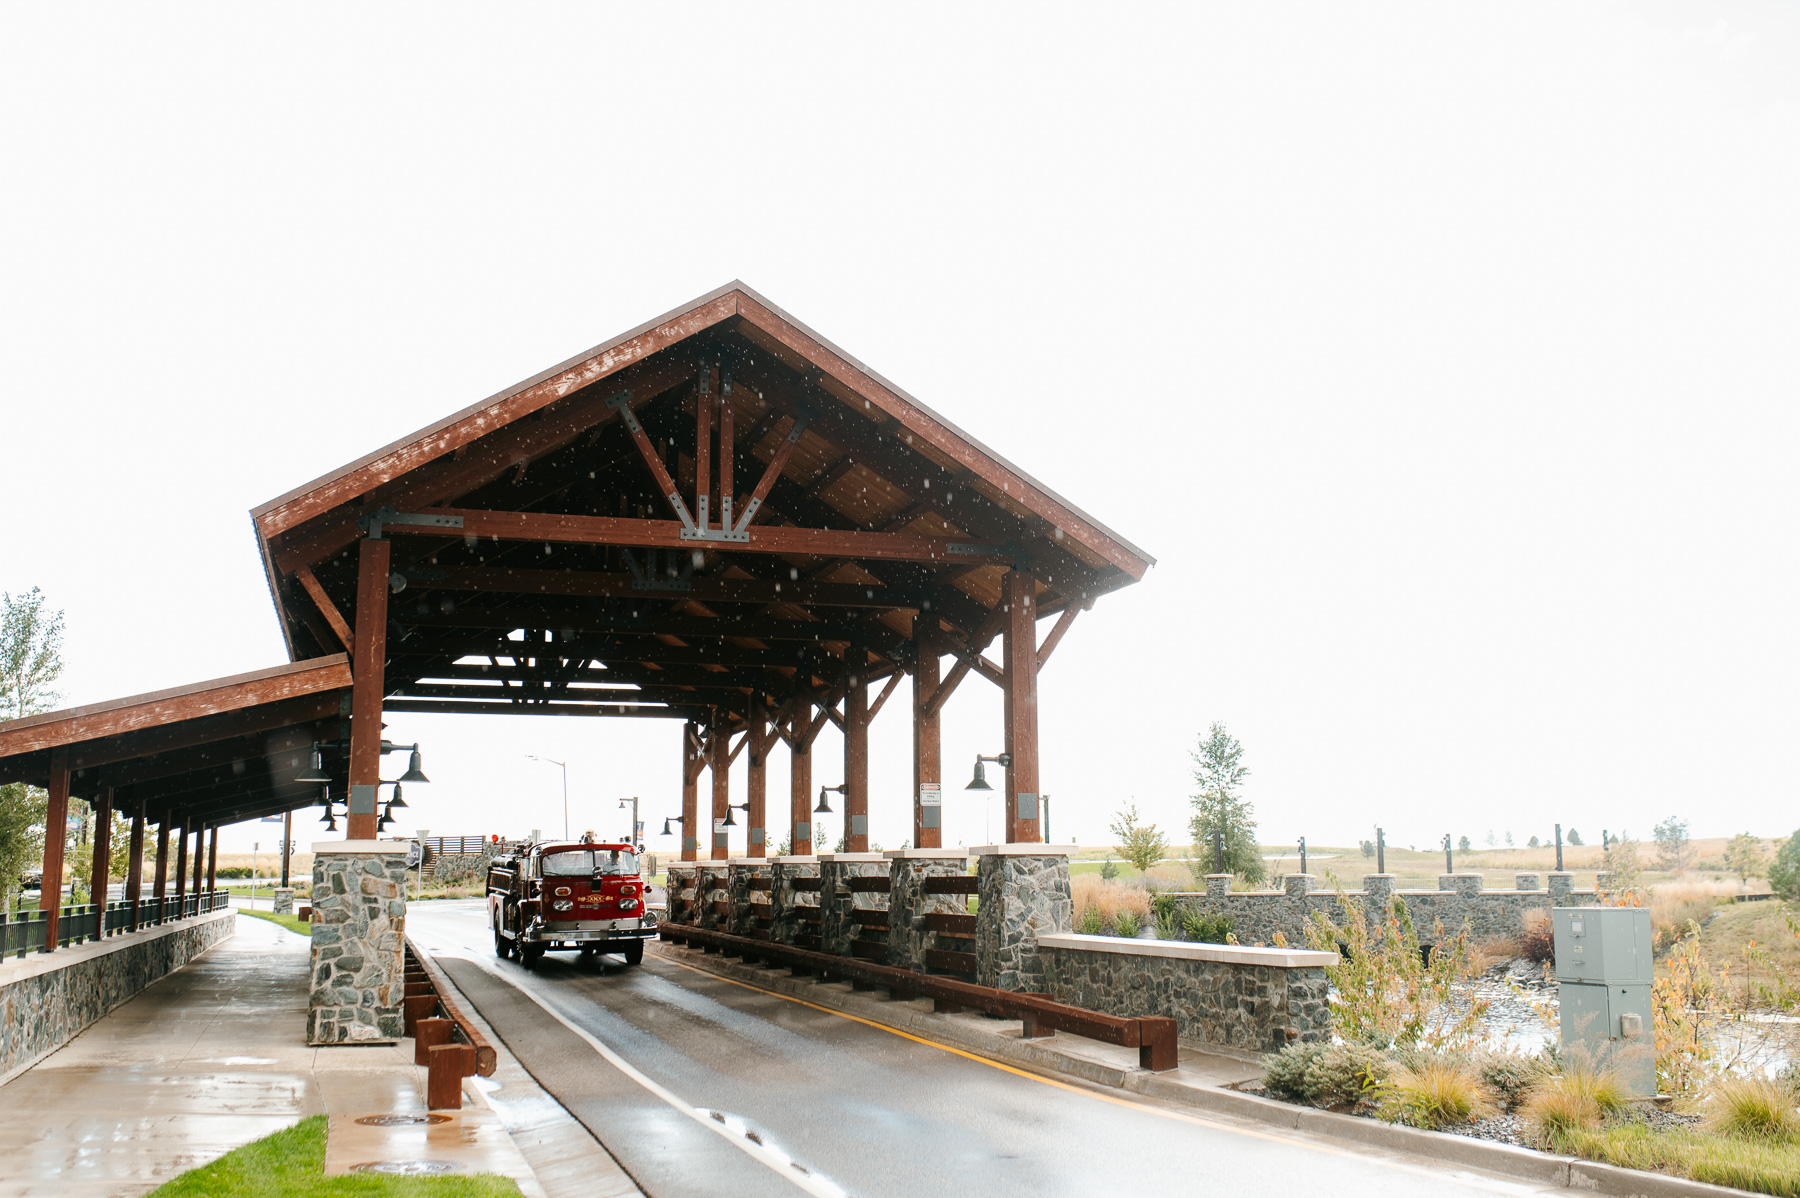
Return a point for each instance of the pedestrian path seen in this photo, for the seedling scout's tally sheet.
(209, 1059)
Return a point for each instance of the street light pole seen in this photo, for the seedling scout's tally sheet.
(636, 829)
(565, 770)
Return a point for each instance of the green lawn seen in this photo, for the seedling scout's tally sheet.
(290, 922)
(291, 1164)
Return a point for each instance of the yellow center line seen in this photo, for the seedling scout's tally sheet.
(1116, 1100)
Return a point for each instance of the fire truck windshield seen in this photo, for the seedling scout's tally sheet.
(610, 863)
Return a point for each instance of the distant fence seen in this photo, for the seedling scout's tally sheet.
(23, 931)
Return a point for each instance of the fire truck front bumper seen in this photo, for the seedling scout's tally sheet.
(596, 931)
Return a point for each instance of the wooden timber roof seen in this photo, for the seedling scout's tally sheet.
(541, 564)
(217, 751)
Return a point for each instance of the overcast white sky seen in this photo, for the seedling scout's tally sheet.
(1443, 355)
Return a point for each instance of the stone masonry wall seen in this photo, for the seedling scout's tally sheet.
(681, 894)
(359, 922)
(1253, 1008)
(46, 1000)
(836, 902)
(1258, 914)
(786, 901)
(1022, 898)
(744, 920)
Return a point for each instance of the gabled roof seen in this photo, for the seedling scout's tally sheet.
(546, 511)
(227, 746)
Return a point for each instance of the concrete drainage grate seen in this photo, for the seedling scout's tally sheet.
(407, 1168)
(401, 1120)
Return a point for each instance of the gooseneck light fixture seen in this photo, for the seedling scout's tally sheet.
(980, 782)
(824, 808)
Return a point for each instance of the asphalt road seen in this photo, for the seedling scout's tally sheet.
(703, 1087)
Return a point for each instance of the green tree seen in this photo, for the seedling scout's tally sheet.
(1532, 843)
(1219, 809)
(1463, 845)
(1621, 861)
(1671, 843)
(30, 664)
(1140, 844)
(1745, 856)
(1573, 837)
(1784, 871)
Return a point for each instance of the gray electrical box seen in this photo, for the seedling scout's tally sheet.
(1602, 944)
(1603, 973)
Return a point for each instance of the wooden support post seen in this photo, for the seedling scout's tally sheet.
(102, 873)
(800, 778)
(56, 830)
(703, 405)
(690, 792)
(134, 872)
(448, 1065)
(1020, 650)
(161, 887)
(927, 736)
(287, 844)
(718, 744)
(367, 672)
(428, 1034)
(212, 860)
(727, 451)
(856, 750)
(199, 858)
(757, 792)
(180, 863)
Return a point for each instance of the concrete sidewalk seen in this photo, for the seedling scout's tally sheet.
(209, 1059)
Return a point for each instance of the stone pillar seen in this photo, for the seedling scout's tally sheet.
(1024, 894)
(749, 906)
(359, 921)
(682, 900)
(908, 904)
(1297, 885)
(1218, 885)
(836, 901)
(1447, 882)
(1378, 895)
(1525, 881)
(284, 900)
(1465, 885)
(788, 904)
(1562, 883)
(712, 893)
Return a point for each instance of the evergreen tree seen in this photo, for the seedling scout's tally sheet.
(1573, 837)
(30, 663)
(1219, 772)
(1784, 871)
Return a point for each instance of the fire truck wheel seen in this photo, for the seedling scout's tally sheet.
(502, 946)
(634, 953)
(529, 957)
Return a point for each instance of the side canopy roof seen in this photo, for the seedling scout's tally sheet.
(713, 506)
(213, 752)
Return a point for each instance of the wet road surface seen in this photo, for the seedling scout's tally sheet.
(860, 1110)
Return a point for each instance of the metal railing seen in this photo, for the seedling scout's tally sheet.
(25, 931)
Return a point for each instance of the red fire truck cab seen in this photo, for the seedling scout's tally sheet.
(584, 896)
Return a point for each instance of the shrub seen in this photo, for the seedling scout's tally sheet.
(1755, 1108)
(1344, 1075)
(1109, 897)
(1510, 1078)
(1384, 993)
(1284, 1072)
(235, 871)
(1108, 870)
(1537, 943)
(1126, 923)
(1577, 1098)
(1433, 1094)
(1089, 923)
(1205, 929)
(1165, 911)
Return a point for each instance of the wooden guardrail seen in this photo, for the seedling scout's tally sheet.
(435, 1019)
(1152, 1035)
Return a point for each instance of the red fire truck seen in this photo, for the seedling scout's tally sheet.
(587, 896)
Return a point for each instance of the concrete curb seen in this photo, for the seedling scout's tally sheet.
(1526, 1164)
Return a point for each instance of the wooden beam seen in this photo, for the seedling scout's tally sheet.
(720, 839)
(56, 833)
(102, 861)
(757, 791)
(892, 682)
(703, 405)
(562, 529)
(1056, 634)
(1020, 653)
(777, 463)
(368, 687)
(690, 794)
(703, 590)
(327, 608)
(800, 778)
(927, 735)
(477, 707)
(134, 872)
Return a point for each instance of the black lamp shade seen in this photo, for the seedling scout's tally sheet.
(413, 772)
(823, 808)
(666, 822)
(980, 781)
(396, 801)
(317, 772)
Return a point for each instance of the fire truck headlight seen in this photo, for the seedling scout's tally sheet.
(562, 905)
(628, 904)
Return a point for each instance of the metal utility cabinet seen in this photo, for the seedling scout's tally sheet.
(1604, 973)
